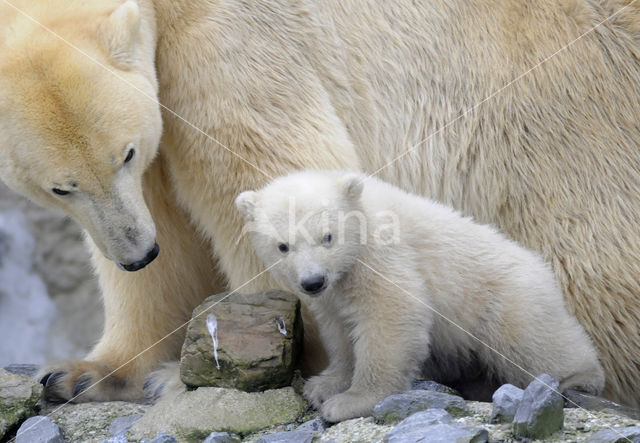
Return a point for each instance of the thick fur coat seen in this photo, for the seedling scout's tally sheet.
(460, 101)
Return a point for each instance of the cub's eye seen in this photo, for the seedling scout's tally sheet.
(327, 239)
(130, 155)
(283, 248)
(59, 191)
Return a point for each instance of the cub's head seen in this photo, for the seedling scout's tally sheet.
(79, 119)
(306, 227)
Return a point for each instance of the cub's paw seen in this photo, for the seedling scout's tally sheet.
(321, 387)
(348, 405)
(81, 381)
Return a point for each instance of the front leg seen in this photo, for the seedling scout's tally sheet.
(142, 309)
(391, 340)
(336, 378)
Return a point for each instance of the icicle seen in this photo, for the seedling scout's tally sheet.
(212, 326)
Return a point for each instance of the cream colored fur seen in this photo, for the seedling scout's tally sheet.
(407, 279)
(551, 160)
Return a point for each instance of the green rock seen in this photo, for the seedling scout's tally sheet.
(191, 416)
(19, 396)
(254, 353)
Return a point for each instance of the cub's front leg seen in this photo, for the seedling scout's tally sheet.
(336, 378)
(391, 341)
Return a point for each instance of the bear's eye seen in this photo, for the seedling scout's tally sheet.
(283, 248)
(59, 191)
(327, 239)
(130, 155)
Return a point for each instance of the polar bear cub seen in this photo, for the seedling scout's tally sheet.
(396, 280)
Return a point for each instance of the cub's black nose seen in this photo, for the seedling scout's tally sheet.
(151, 256)
(313, 285)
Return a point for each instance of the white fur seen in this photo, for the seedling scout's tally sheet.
(552, 160)
(444, 289)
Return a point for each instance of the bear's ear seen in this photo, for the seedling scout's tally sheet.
(351, 185)
(246, 203)
(120, 32)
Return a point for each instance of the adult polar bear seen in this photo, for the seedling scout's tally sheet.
(552, 159)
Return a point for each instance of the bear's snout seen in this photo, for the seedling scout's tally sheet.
(313, 285)
(136, 266)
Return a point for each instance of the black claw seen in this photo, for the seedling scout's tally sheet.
(43, 380)
(146, 387)
(52, 379)
(81, 385)
(50, 392)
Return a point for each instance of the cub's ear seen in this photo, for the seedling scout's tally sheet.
(351, 185)
(246, 203)
(120, 31)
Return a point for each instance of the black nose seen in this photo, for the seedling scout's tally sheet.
(313, 285)
(151, 256)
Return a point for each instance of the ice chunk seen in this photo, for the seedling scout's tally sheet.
(212, 326)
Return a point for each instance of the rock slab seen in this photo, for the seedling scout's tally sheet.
(19, 395)
(23, 369)
(540, 412)
(39, 429)
(506, 400)
(121, 425)
(194, 415)
(288, 437)
(164, 438)
(399, 406)
(441, 433)
(221, 437)
(574, 399)
(91, 422)
(316, 425)
(617, 435)
(412, 428)
(258, 337)
(430, 385)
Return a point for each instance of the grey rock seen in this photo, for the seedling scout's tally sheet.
(315, 425)
(121, 425)
(19, 395)
(430, 385)
(540, 412)
(399, 406)
(617, 435)
(414, 425)
(164, 438)
(445, 433)
(122, 438)
(39, 429)
(221, 437)
(193, 415)
(505, 403)
(90, 422)
(574, 399)
(73, 322)
(23, 369)
(24, 303)
(259, 342)
(288, 437)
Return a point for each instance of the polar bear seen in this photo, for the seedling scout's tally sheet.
(440, 98)
(394, 279)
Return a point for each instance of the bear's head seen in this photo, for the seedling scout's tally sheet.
(306, 227)
(79, 116)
